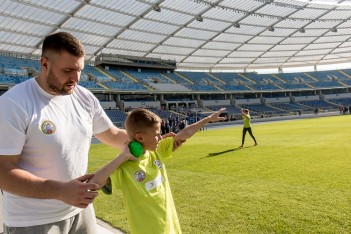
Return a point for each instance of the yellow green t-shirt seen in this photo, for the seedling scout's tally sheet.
(247, 120)
(146, 192)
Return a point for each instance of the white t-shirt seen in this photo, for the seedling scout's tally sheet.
(52, 135)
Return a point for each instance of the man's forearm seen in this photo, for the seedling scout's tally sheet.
(76, 192)
(23, 183)
(114, 137)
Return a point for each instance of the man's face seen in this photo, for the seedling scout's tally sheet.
(62, 71)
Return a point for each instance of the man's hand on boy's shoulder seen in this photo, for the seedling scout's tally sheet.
(176, 144)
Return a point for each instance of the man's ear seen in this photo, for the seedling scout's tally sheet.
(44, 63)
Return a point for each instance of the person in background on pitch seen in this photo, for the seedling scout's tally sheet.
(247, 126)
(143, 181)
(46, 125)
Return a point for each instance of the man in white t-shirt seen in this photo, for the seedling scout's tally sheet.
(46, 125)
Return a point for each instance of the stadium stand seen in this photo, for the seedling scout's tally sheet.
(264, 87)
(95, 74)
(231, 87)
(262, 78)
(18, 63)
(204, 85)
(294, 86)
(327, 75)
(295, 78)
(201, 78)
(148, 76)
(291, 108)
(323, 105)
(124, 85)
(90, 85)
(262, 109)
(232, 78)
(178, 79)
(341, 101)
(117, 116)
(169, 87)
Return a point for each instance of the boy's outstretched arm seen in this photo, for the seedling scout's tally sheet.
(243, 113)
(190, 130)
(101, 176)
(176, 144)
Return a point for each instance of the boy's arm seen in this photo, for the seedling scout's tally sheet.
(101, 176)
(176, 144)
(190, 130)
(243, 113)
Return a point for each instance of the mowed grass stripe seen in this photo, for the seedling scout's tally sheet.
(297, 180)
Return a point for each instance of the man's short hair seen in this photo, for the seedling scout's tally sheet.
(63, 41)
(139, 120)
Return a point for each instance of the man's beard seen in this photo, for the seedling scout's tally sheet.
(55, 86)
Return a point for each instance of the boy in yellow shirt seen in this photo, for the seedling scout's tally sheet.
(143, 181)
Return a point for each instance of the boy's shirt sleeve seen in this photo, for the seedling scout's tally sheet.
(115, 180)
(165, 148)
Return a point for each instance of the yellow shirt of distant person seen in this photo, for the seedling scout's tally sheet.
(247, 121)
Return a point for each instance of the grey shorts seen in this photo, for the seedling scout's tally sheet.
(82, 223)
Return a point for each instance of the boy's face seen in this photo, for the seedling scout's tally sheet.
(151, 137)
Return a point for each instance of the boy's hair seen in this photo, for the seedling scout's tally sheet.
(60, 42)
(139, 120)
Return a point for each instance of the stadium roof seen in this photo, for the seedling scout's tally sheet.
(210, 34)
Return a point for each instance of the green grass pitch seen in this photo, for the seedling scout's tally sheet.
(297, 180)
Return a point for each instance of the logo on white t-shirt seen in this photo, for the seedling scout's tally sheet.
(48, 127)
